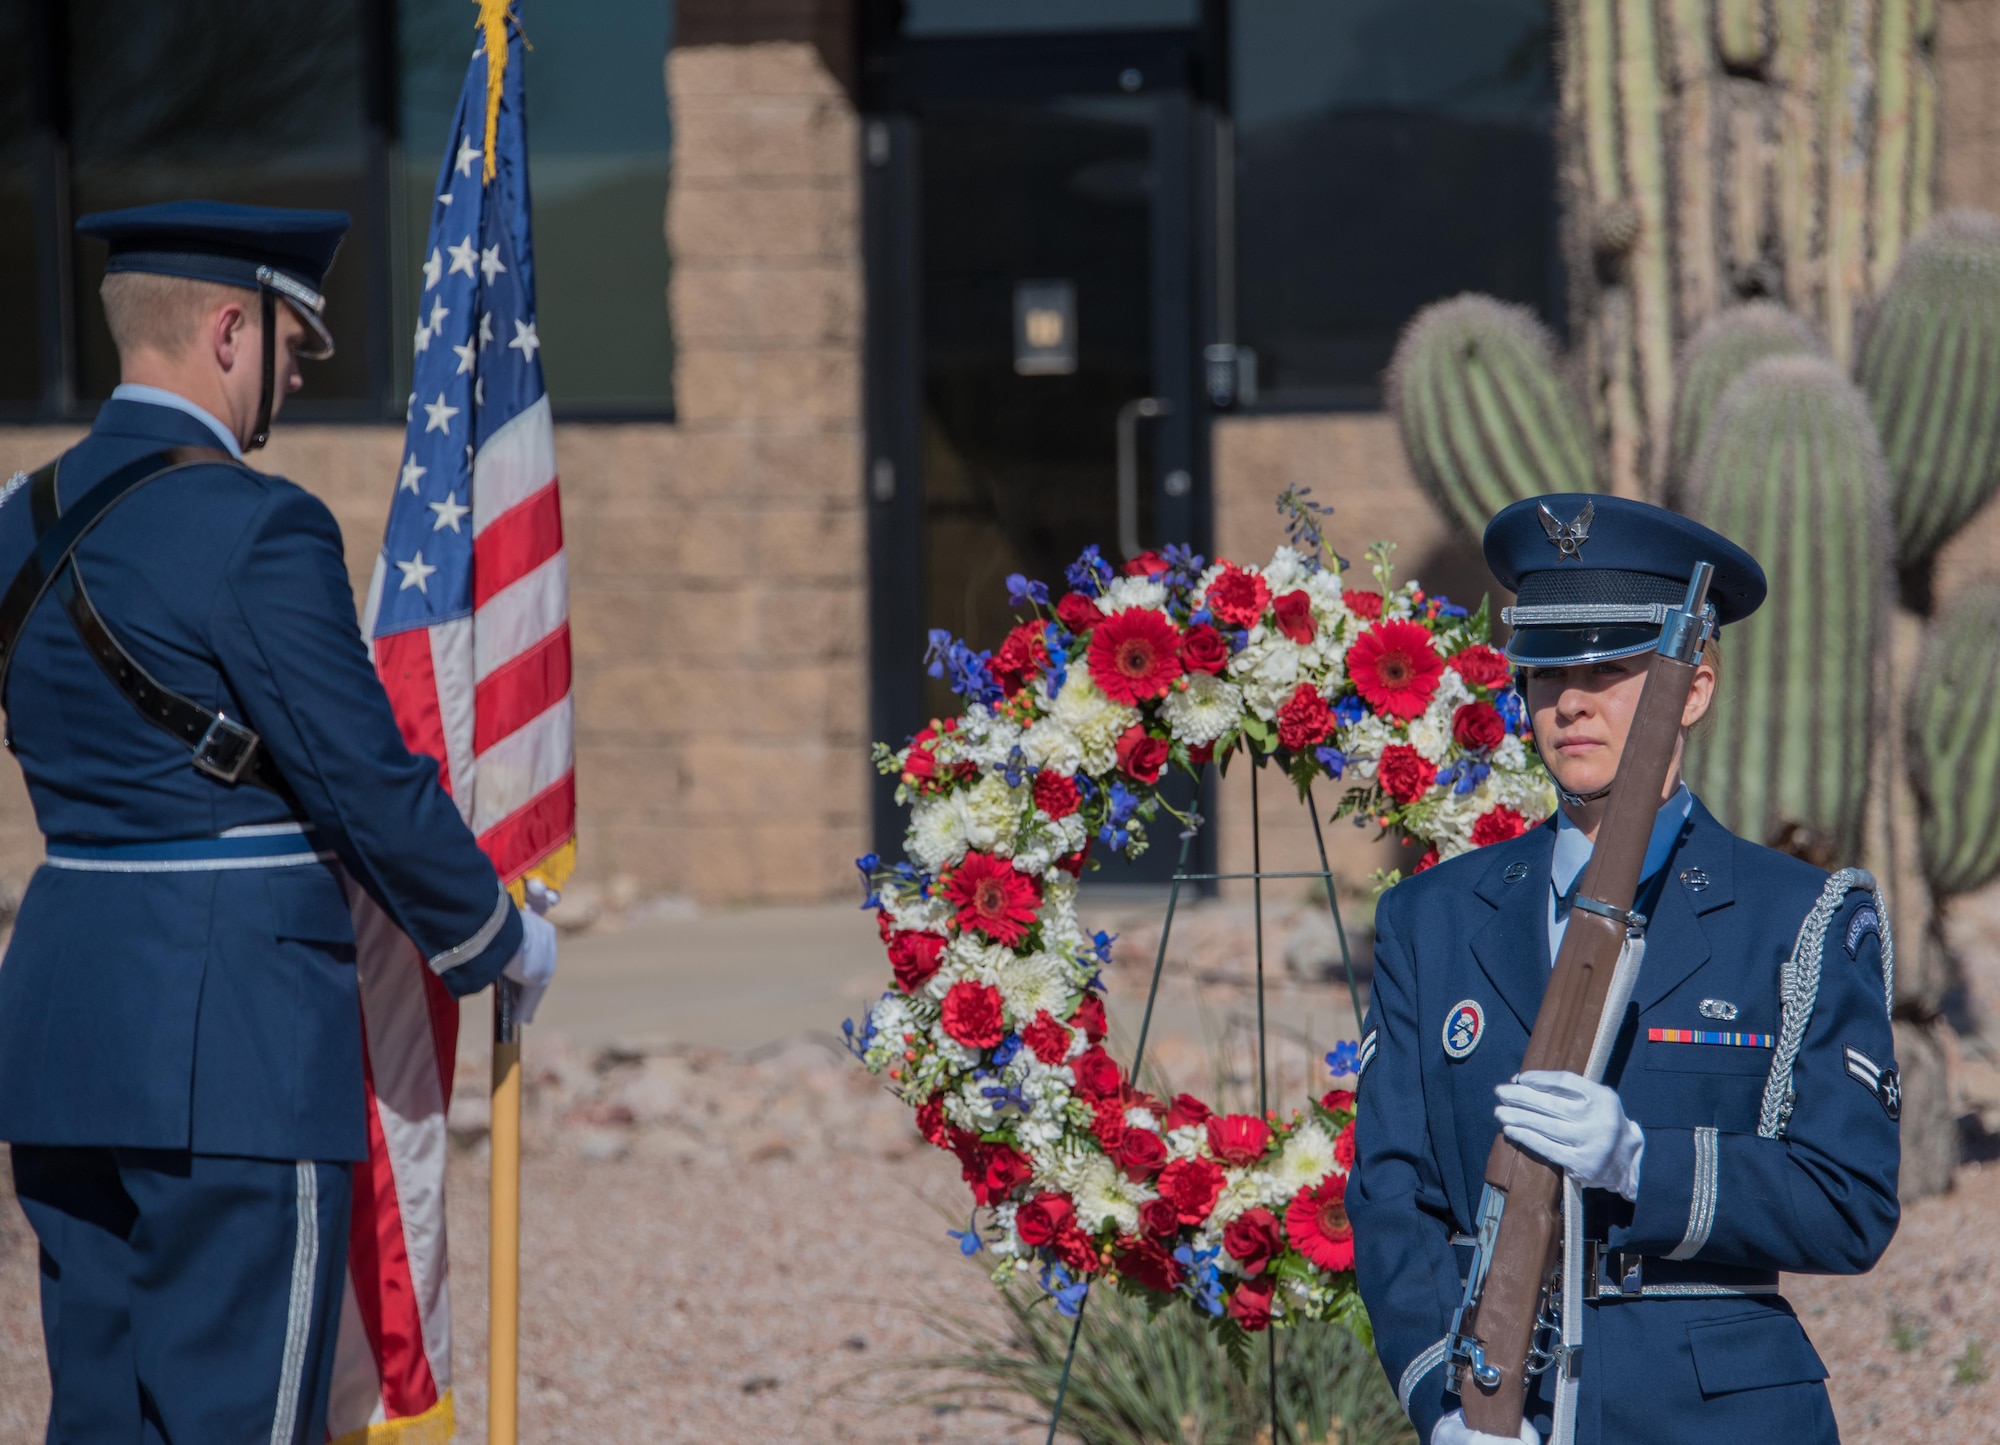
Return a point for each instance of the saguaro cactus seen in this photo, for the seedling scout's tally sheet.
(1486, 417)
(1792, 471)
(1727, 345)
(1955, 744)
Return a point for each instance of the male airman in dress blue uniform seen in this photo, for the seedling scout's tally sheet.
(1747, 1121)
(213, 765)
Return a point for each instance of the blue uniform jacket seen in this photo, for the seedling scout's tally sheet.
(1819, 1200)
(215, 1010)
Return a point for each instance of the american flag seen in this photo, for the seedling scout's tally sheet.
(468, 617)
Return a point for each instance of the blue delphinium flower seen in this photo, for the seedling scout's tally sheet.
(1184, 565)
(967, 670)
(1204, 1279)
(1332, 759)
(1003, 1053)
(1511, 709)
(1067, 1292)
(969, 1242)
(1058, 669)
(1021, 592)
(1349, 710)
(1122, 803)
(1089, 573)
(1344, 1059)
(867, 863)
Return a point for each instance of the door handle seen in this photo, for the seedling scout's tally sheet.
(1128, 467)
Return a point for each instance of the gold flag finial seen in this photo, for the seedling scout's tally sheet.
(493, 19)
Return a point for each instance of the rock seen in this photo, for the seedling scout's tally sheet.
(1312, 951)
(470, 1117)
(603, 1146)
(1930, 1135)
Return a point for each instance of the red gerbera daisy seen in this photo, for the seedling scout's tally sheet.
(1134, 655)
(993, 898)
(1316, 1223)
(1395, 668)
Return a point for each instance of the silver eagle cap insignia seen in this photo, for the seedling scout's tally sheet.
(1568, 537)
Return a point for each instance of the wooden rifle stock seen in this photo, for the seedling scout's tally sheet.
(1500, 1317)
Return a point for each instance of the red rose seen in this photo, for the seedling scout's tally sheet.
(1253, 1240)
(1089, 1017)
(1141, 1154)
(1404, 773)
(1343, 1148)
(1203, 755)
(1021, 656)
(914, 958)
(1191, 1186)
(1004, 1169)
(1186, 1110)
(1042, 1218)
(1478, 727)
(1395, 668)
(1074, 1249)
(1107, 1122)
(1317, 1225)
(1237, 598)
(1203, 649)
(919, 766)
(1144, 1262)
(1134, 655)
(1158, 1219)
(1250, 1305)
(1480, 666)
(1365, 605)
(993, 897)
(1497, 825)
(1055, 794)
(971, 1014)
(1429, 860)
(1305, 720)
(1147, 564)
(1046, 1039)
(1078, 613)
(1141, 757)
(930, 1121)
(1338, 1101)
(1097, 1074)
(1238, 1139)
(1073, 864)
(1294, 612)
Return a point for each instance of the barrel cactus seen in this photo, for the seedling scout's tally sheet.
(1486, 417)
(1726, 346)
(1930, 364)
(1791, 470)
(1955, 744)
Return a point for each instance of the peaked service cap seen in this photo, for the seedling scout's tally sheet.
(1593, 576)
(256, 247)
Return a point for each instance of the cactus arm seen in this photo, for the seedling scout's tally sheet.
(1794, 62)
(1923, 142)
(1694, 162)
(1843, 94)
(1739, 27)
(1642, 103)
(1954, 745)
(1894, 67)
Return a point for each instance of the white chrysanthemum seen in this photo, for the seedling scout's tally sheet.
(1103, 1195)
(1267, 670)
(1047, 839)
(968, 956)
(937, 832)
(1094, 719)
(992, 811)
(1128, 592)
(1306, 1159)
(1031, 984)
(1245, 1189)
(1202, 710)
(915, 914)
(1286, 570)
(1430, 731)
(1049, 744)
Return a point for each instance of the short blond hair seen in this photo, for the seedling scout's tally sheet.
(147, 312)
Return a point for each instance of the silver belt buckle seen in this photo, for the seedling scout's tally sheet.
(225, 750)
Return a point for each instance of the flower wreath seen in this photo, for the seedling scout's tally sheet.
(994, 1031)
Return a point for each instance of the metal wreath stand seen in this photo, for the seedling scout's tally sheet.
(1280, 1435)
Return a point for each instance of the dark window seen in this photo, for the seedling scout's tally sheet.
(1389, 153)
(20, 365)
(974, 17)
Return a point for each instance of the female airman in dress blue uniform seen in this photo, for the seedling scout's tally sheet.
(1747, 1122)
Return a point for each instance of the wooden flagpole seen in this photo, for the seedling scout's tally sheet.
(503, 1338)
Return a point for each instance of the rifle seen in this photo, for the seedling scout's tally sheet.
(1495, 1342)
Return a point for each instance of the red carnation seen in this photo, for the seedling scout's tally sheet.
(1294, 612)
(1107, 1123)
(1046, 1039)
(1338, 1101)
(1098, 1075)
(1074, 1249)
(1253, 1240)
(1151, 1265)
(1395, 668)
(1134, 655)
(1158, 1219)
(930, 1121)
(1089, 1017)
(1250, 1305)
(1056, 794)
(971, 1014)
(1185, 1110)
(1238, 1139)
(1365, 605)
(1078, 613)
(993, 898)
(1042, 1218)
(1497, 825)
(914, 958)
(1141, 1154)
(1021, 656)
(1141, 757)
(1305, 720)
(1478, 727)
(1480, 666)
(1191, 1186)
(1203, 649)
(1429, 860)
(1001, 1169)
(1343, 1148)
(1202, 756)
(1237, 598)
(1147, 564)
(1404, 773)
(1073, 863)
(1316, 1223)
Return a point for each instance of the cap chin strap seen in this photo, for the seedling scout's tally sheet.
(1577, 800)
(262, 433)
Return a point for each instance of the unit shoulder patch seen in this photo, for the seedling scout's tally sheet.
(1860, 926)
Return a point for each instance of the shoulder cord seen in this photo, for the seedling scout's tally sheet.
(1798, 989)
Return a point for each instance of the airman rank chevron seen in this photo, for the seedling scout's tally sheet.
(1712, 1036)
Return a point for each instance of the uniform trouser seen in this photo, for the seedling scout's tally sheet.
(187, 1299)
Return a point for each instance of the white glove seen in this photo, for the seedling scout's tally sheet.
(1452, 1430)
(541, 897)
(1576, 1125)
(535, 965)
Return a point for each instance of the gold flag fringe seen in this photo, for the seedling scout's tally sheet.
(493, 18)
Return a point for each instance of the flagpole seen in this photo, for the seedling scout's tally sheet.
(503, 1339)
